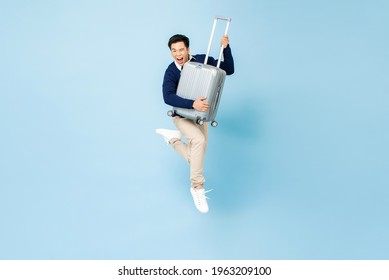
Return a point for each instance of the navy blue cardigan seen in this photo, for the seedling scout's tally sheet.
(172, 76)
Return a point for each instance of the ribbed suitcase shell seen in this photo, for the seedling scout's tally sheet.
(200, 80)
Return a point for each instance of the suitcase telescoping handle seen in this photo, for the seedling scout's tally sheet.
(211, 39)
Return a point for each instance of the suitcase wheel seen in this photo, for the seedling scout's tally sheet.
(214, 123)
(199, 121)
(171, 113)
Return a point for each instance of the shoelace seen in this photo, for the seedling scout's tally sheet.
(207, 192)
(203, 194)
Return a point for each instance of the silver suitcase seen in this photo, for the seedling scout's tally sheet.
(202, 80)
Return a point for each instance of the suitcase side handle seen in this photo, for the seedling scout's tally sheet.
(228, 19)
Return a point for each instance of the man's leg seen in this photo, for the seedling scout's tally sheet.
(194, 150)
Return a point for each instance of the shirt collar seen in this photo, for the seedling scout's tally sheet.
(179, 66)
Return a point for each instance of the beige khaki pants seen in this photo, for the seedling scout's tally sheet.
(194, 150)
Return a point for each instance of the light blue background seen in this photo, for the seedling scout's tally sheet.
(298, 164)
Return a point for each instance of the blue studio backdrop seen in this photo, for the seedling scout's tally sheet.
(298, 164)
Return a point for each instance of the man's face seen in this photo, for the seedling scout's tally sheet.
(180, 53)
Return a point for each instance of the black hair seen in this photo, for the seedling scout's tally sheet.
(178, 38)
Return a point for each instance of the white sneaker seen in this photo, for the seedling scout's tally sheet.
(200, 200)
(168, 134)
